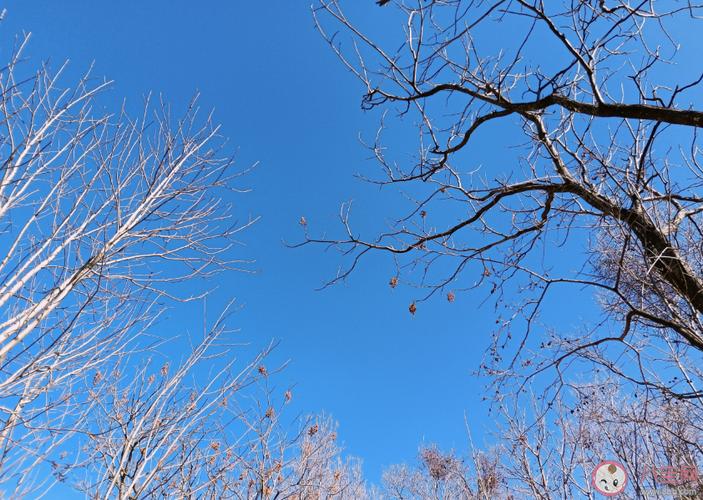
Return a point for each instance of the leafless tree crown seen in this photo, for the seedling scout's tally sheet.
(103, 216)
(590, 108)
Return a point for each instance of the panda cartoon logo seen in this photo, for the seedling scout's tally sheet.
(609, 478)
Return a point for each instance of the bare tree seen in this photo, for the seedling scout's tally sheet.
(594, 185)
(444, 476)
(554, 456)
(104, 217)
(160, 434)
(156, 431)
(280, 459)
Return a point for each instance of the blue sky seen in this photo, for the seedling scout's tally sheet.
(393, 381)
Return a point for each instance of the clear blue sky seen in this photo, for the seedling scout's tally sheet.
(392, 381)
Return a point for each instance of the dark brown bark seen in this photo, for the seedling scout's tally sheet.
(687, 117)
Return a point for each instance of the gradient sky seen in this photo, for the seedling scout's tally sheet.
(393, 381)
